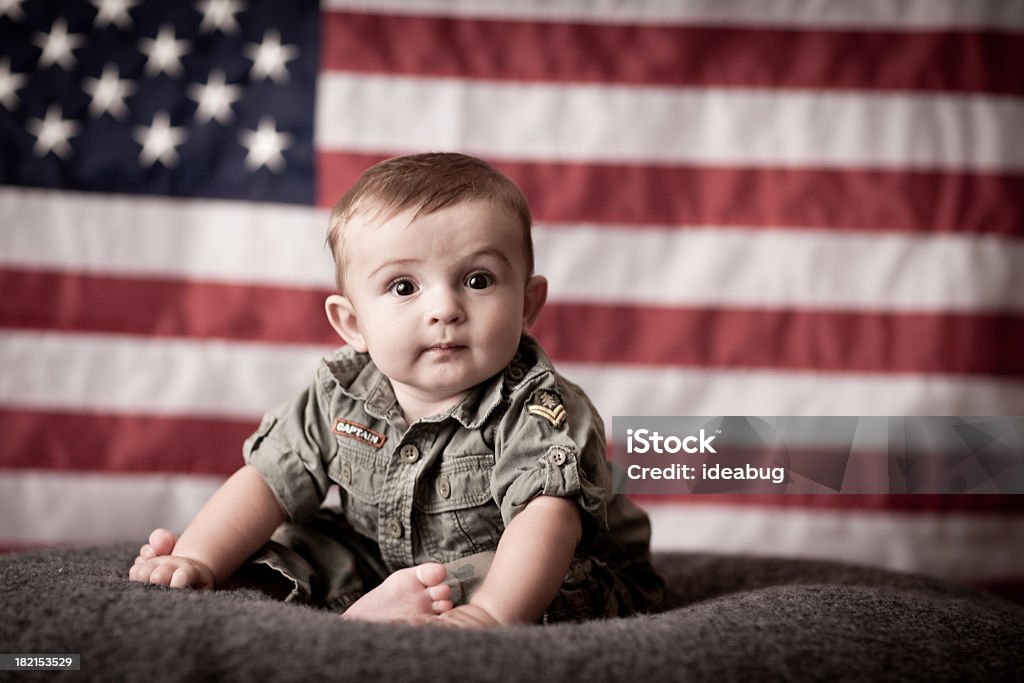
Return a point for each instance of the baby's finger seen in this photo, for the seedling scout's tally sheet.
(183, 577)
(146, 552)
(140, 571)
(161, 575)
(162, 541)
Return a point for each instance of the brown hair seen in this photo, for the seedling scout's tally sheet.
(431, 182)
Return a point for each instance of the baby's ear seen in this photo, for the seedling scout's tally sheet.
(533, 302)
(343, 319)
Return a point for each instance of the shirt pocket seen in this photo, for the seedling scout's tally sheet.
(360, 474)
(456, 514)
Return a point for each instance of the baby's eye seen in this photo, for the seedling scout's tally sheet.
(402, 287)
(479, 281)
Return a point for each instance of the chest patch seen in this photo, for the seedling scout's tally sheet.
(361, 433)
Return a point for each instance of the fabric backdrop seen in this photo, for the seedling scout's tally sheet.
(757, 207)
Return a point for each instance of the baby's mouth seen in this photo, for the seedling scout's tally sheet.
(445, 348)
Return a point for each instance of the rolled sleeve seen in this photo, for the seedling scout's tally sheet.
(288, 451)
(535, 457)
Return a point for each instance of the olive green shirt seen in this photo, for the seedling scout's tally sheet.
(446, 486)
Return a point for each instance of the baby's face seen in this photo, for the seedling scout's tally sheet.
(439, 300)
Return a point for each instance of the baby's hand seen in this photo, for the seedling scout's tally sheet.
(155, 564)
(467, 616)
(172, 571)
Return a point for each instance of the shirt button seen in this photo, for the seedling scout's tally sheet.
(346, 474)
(444, 487)
(393, 527)
(556, 455)
(409, 453)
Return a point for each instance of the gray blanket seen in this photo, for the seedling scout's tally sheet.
(730, 619)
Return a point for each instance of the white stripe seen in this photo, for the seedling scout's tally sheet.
(749, 127)
(770, 268)
(888, 14)
(48, 508)
(240, 243)
(217, 240)
(109, 373)
(622, 390)
(951, 545)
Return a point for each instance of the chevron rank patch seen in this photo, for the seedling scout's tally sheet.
(548, 405)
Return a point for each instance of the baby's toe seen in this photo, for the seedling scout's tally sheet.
(431, 573)
(441, 591)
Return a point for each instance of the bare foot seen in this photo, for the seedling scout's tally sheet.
(408, 595)
(468, 616)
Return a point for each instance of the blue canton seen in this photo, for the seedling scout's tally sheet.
(213, 98)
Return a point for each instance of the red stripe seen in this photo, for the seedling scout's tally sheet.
(619, 194)
(628, 334)
(35, 439)
(793, 339)
(164, 308)
(962, 61)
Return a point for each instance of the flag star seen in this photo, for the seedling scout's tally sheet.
(164, 52)
(265, 145)
(57, 45)
(269, 57)
(108, 93)
(159, 141)
(10, 84)
(12, 9)
(219, 14)
(114, 12)
(52, 133)
(215, 98)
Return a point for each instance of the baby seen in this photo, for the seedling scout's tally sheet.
(474, 485)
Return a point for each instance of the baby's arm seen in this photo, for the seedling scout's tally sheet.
(233, 524)
(529, 565)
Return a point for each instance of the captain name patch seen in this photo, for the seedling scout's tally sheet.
(354, 430)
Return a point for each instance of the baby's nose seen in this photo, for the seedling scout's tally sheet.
(446, 308)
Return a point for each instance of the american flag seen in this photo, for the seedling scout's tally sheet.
(753, 207)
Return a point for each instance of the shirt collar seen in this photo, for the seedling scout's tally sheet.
(530, 360)
(358, 378)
